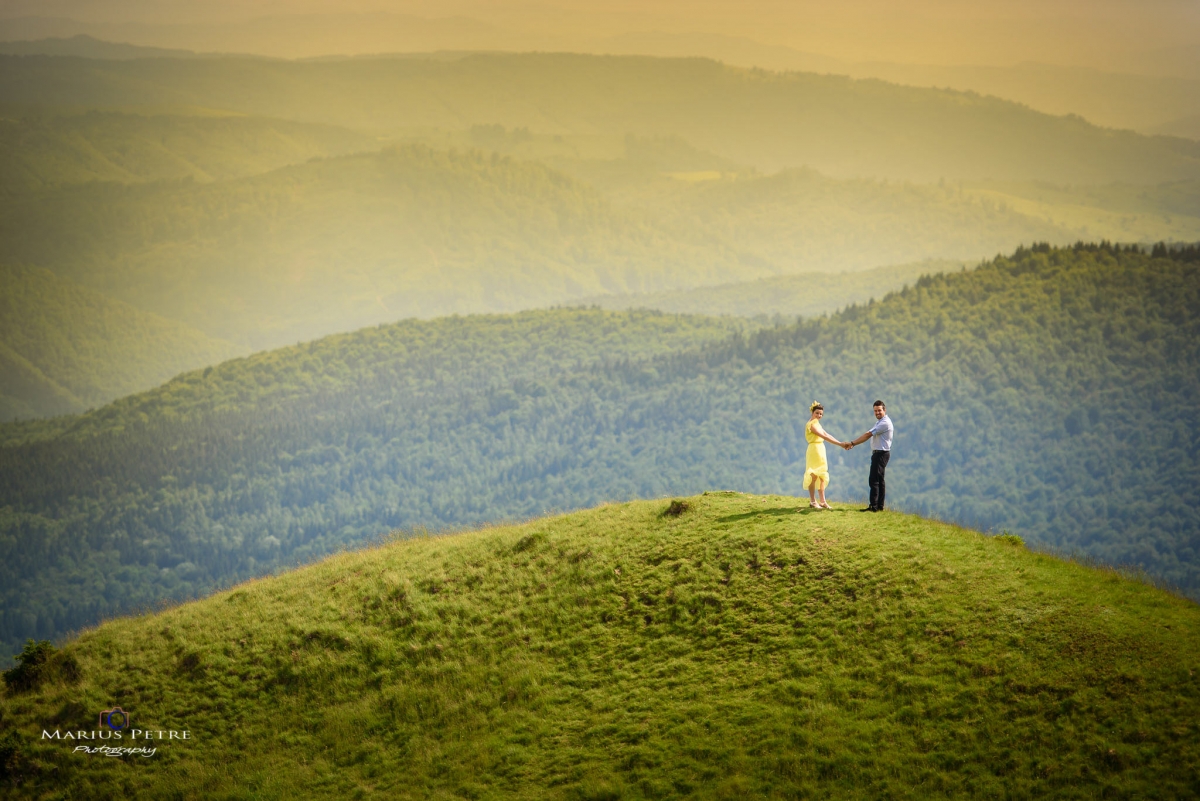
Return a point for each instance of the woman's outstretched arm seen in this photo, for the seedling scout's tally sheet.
(820, 432)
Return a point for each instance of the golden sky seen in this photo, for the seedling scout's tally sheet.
(1097, 33)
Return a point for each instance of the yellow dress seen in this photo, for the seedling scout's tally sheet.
(816, 466)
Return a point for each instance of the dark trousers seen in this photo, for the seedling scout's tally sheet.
(879, 460)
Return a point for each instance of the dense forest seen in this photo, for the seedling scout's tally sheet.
(1048, 393)
(65, 348)
(770, 121)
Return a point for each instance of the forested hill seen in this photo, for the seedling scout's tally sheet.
(78, 148)
(332, 245)
(336, 244)
(833, 124)
(65, 349)
(1050, 393)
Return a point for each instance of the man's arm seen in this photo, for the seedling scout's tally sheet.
(863, 438)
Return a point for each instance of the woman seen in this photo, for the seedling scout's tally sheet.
(816, 466)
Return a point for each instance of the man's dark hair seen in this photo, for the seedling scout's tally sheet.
(879, 403)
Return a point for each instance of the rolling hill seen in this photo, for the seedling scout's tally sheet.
(838, 126)
(812, 223)
(65, 349)
(84, 46)
(804, 219)
(41, 152)
(336, 244)
(1047, 393)
(741, 647)
(804, 295)
(1138, 101)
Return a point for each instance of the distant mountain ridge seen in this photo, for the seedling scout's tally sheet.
(105, 146)
(1147, 103)
(804, 295)
(332, 245)
(335, 244)
(836, 125)
(84, 46)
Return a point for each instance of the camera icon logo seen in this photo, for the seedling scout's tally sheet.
(115, 718)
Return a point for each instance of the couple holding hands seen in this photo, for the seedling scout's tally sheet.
(816, 465)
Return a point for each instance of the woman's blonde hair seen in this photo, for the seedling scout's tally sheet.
(814, 406)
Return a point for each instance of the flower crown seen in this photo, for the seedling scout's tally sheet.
(815, 405)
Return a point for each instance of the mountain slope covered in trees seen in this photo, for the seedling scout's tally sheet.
(336, 244)
(40, 152)
(812, 223)
(1048, 393)
(65, 349)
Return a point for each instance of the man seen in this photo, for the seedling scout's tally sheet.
(881, 450)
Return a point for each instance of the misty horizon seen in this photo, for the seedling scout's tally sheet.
(1142, 38)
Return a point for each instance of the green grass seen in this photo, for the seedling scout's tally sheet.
(748, 647)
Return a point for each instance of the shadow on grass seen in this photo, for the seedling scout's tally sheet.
(778, 511)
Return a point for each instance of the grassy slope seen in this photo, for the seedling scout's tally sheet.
(66, 348)
(747, 648)
(807, 295)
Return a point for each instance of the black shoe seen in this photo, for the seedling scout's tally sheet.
(869, 509)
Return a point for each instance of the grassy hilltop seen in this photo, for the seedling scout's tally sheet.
(746, 647)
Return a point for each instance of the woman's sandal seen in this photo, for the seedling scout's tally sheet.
(812, 505)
